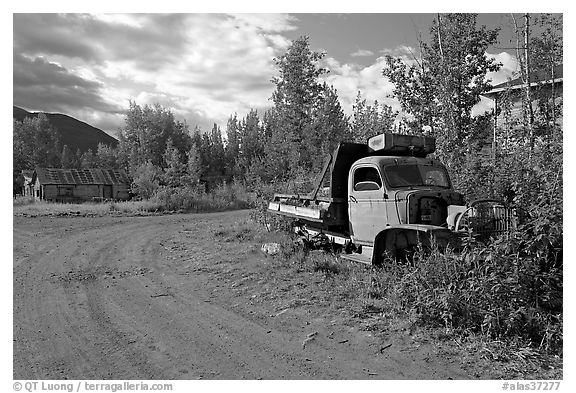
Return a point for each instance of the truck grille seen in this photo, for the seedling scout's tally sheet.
(488, 218)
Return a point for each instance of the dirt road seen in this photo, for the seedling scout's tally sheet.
(160, 297)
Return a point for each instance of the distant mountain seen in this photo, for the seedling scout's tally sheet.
(74, 133)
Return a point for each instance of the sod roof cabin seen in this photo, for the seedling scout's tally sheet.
(77, 185)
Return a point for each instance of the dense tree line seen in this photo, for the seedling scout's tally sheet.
(37, 144)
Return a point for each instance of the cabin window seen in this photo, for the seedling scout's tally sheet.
(367, 179)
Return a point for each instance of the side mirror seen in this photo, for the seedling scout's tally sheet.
(366, 186)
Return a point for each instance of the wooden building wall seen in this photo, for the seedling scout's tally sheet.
(516, 106)
(80, 192)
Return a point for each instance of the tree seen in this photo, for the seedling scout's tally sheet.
(530, 168)
(414, 88)
(146, 133)
(209, 147)
(539, 50)
(297, 86)
(232, 148)
(298, 93)
(107, 157)
(175, 169)
(22, 151)
(216, 159)
(328, 127)
(370, 120)
(78, 158)
(546, 56)
(194, 164)
(197, 168)
(35, 143)
(68, 159)
(252, 138)
(146, 181)
(441, 88)
(18, 181)
(88, 160)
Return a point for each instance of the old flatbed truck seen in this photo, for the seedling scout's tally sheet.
(385, 197)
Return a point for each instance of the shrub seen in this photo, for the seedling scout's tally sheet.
(500, 290)
(194, 199)
(512, 287)
(25, 200)
(263, 194)
(146, 180)
(172, 199)
(325, 263)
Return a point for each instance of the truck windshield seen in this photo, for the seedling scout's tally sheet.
(416, 175)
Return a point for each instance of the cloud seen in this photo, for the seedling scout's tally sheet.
(508, 69)
(362, 52)
(203, 66)
(40, 84)
(269, 23)
(52, 35)
(351, 78)
(148, 40)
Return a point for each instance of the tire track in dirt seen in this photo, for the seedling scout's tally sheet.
(109, 298)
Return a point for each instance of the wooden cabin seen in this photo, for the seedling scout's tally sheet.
(78, 185)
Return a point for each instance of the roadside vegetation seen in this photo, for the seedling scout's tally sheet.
(505, 296)
(480, 309)
(168, 200)
(32, 207)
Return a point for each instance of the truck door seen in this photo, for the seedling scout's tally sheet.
(366, 203)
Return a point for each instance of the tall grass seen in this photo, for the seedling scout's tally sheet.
(45, 208)
(165, 199)
(499, 291)
(231, 196)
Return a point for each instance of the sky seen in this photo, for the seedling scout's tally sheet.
(206, 67)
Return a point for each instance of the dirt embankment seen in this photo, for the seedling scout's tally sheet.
(161, 298)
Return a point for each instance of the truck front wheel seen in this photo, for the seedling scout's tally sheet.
(395, 245)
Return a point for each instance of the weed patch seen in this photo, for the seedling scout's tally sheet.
(46, 208)
(190, 199)
(492, 292)
(490, 301)
(238, 232)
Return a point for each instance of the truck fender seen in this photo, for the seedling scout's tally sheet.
(394, 241)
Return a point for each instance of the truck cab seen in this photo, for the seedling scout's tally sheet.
(387, 191)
